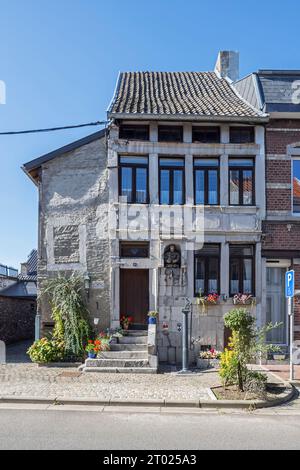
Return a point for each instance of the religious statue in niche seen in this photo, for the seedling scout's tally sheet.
(172, 261)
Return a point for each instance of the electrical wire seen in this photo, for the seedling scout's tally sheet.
(53, 129)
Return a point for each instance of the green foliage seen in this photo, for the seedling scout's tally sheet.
(69, 312)
(247, 343)
(47, 350)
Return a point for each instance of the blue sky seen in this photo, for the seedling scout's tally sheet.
(60, 60)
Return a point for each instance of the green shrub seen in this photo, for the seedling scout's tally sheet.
(46, 350)
(69, 312)
(247, 343)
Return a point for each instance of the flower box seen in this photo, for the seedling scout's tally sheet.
(203, 363)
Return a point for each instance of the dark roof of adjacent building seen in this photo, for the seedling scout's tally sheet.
(272, 91)
(31, 167)
(21, 289)
(179, 95)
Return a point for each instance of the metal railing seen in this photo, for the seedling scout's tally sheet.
(8, 271)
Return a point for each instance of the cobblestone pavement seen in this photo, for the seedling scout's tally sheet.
(29, 380)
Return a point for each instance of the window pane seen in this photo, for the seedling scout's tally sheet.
(234, 276)
(141, 185)
(199, 182)
(170, 133)
(247, 281)
(126, 183)
(241, 250)
(134, 132)
(200, 273)
(178, 187)
(247, 187)
(234, 186)
(170, 162)
(134, 160)
(296, 186)
(213, 275)
(241, 162)
(209, 249)
(165, 187)
(241, 135)
(212, 187)
(134, 250)
(206, 134)
(206, 162)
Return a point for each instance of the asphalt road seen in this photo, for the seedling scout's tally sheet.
(129, 430)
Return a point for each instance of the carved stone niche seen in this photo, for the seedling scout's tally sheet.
(172, 265)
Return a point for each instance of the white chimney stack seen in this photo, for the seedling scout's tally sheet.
(228, 65)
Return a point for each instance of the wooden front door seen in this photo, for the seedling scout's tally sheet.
(134, 294)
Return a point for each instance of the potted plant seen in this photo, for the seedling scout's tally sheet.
(126, 321)
(92, 348)
(152, 317)
(209, 358)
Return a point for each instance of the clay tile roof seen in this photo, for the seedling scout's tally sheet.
(182, 94)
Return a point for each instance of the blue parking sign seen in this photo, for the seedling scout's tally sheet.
(290, 283)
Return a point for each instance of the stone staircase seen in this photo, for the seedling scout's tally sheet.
(128, 355)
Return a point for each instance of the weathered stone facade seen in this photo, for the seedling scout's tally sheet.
(73, 218)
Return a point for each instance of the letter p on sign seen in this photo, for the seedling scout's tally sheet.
(290, 283)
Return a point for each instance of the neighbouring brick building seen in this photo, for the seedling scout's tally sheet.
(276, 92)
(178, 145)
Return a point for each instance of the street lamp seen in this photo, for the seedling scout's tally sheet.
(87, 281)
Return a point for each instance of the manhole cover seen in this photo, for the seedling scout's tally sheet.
(70, 374)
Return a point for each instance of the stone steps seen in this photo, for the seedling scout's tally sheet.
(124, 354)
(129, 347)
(133, 339)
(116, 363)
(128, 355)
(121, 370)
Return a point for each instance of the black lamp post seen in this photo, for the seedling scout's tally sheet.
(185, 336)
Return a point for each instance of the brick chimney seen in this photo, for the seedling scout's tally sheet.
(228, 64)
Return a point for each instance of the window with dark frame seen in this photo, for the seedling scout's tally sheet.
(133, 179)
(241, 262)
(206, 181)
(133, 132)
(171, 181)
(241, 182)
(134, 249)
(206, 134)
(242, 135)
(207, 269)
(170, 133)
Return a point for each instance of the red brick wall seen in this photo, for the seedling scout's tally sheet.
(278, 199)
(277, 236)
(278, 171)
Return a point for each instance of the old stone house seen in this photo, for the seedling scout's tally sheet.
(276, 92)
(165, 203)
